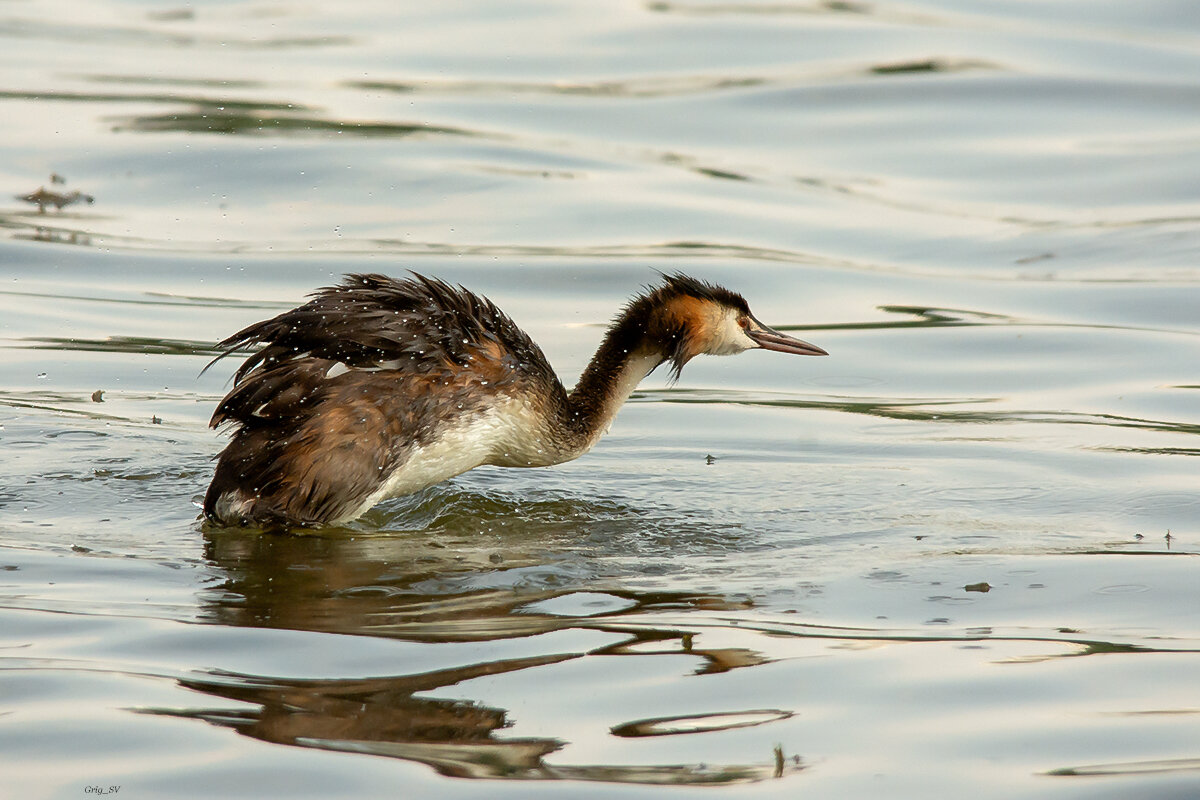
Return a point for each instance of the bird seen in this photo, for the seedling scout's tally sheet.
(380, 387)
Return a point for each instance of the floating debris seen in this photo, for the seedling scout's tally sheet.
(154, 420)
(42, 198)
(98, 396)
(982, 586)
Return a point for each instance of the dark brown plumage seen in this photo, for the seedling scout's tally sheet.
(378, 387)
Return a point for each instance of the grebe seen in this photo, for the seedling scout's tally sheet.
(380, 387)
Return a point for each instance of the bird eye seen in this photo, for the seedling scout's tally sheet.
(744, 322)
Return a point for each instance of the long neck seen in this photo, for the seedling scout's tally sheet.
(626, 356)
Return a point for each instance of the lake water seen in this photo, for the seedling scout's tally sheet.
(957, 556)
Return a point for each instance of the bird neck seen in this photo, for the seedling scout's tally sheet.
(626, 356)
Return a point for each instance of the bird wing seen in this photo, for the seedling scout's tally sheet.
(413, 329)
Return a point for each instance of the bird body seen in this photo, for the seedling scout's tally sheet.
(379, 387)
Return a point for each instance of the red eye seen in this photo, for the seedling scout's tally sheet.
(744, 322)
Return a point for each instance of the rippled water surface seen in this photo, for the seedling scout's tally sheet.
(958, 555)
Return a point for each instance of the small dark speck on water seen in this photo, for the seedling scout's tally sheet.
(495, 558)
(78, 548)
(982, 586)
(154, 420)
(709, 459)
(98, 396)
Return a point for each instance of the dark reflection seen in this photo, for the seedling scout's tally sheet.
(65, 403)
(202, 114)
(917, 409)
(926, 317)
(473, 567)
(664, 250)
(721, 174)
(56, 236)
(381, 715)
(645, 86)
(68, 32)
(128, 344)
(1154, 451)
(424, 586)
(878, 11)
(458, 575)
(459, 739)
(256, 122)
(142, 299)
(1129, 768)
(166, 80)
(698, 723)
(928, 65)
(933, 317)
(784, 7)
(214, 103)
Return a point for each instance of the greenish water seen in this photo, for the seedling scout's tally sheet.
(958, 555)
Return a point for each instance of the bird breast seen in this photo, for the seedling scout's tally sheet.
(508, 433)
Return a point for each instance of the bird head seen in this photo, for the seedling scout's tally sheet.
(688, 318)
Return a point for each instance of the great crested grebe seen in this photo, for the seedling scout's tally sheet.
(380, 387)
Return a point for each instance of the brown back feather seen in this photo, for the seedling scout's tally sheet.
(417, 327)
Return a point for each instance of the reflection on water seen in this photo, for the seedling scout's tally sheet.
(129, 344)
(460, 739)
(1130, 768)
(461, 571)
(378, 585)
(219, 119)
(364, 586)
(414, 585)
(920, 409)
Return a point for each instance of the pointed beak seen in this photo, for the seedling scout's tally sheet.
(771, 339)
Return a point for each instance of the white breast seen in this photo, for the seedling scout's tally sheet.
(507, 434)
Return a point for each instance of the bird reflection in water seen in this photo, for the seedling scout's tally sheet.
(369, 585)
(457, 738)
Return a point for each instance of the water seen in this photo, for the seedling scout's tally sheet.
(957, 555)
